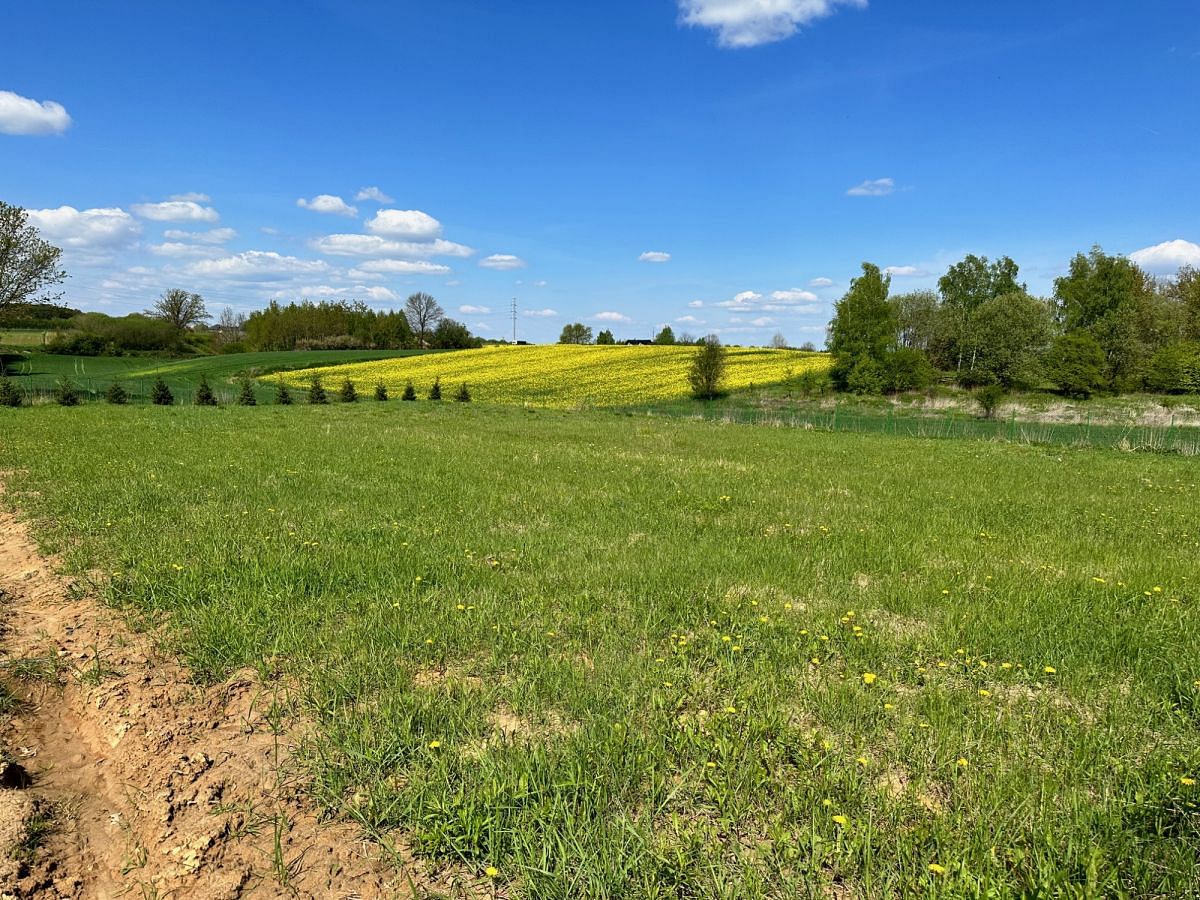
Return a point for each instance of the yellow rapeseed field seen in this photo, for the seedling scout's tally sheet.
(562, 375)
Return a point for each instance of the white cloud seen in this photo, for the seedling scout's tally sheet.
(696, 304)
(407, 224)
(503, 262)
(905, 272)
(873, 187)
(175, 211)
(179, 249)
(746, 297)
(609, 316)
(329, 204)
(540, 313)
(373, 245)
(256, 265)
(689, 320)
(474, 310)
(821, 283)
(20, 115)
(212, 236)
(795, 295)
(744, 300)
(86, 229)
(192, 196)
(402, 267)
(748, 23)
(373, 193)
(762, 322)
(654, 256)
(540, 283)
(1167, 258)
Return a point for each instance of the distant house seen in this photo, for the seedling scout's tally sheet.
(638, 343)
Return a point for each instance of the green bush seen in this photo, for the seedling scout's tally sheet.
(990, 396)
(1175, 369)
(410, 392)
(866, 376)
(160, 394)
(706, 374)
(10, 395)
(66, 393)
(316, 392)
(435, 392)
(204, 393)
(381, 392)
(463, 395)
(907, 369)
(116, 394)
(1075, 364)
(246, 396)
(348, 393)
(283, 397)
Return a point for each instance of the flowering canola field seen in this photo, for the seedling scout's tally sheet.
(562, 375)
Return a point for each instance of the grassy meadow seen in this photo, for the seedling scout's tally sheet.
(606, 656)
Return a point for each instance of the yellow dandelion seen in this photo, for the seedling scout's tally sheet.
(983, 692)
(433, 745)
(1186, 781)
(491, 871)
(1050, 670)
(862, 761)
(962, 762)
(936, 869)
(868, 677)
(843, 821)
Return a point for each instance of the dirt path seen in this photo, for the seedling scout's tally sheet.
(156, 787)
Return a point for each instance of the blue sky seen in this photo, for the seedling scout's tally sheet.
(539, 150)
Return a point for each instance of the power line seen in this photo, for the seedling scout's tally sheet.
(514, 319)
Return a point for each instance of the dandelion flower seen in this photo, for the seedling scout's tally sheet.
(862, 761)
(1050, 670)
(434, 745)
(868, 677)
(1186, 781)
(983, 692)
(842, 821)
(491, 871)
(936, 869)
(962, 762)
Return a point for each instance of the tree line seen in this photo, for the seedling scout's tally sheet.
(1108, 327)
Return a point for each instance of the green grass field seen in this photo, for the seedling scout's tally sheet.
(23, 338)
(37, 373)
(649, 657)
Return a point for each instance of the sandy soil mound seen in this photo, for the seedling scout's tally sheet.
(156, 787)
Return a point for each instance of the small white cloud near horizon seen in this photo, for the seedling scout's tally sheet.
(905, 272)
(86, 229)
(749, 23)
(762, 322)
(821, 283)
(212, 236)
(1168, 257)
(795, 295)
(696, 304)
(328, 204)
(23, 116)
(405, 224)
(610, 316)
(502, 262)
(175, 211)
(373, 193)
(873, 187)
(540, 313)
(654, 256)
(256, 265)
(376, 267)
(689, 320)
(470, 310)
(374, 245)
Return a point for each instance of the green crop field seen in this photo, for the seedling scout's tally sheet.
(628, 657)
(37, 373)
(23, 338)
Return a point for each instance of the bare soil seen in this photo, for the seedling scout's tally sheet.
(154, 785)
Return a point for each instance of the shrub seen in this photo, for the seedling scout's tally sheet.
(381, 393)
(1075, 364)
(348, 393)
(707, 371)
(990, 396)
(246, 396)
(9, 394)
(866, 376)
(907, 369)
(410, 392)
(435, 392)
(204, 393)
(116, 394)
(160, 394)
(316, 392)
(1175, 369)
(283, 397)
(463, 395)
(66, 393)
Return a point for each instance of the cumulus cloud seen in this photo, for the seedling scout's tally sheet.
(373, 245)
(175, 211)
(1168, 257)
(191, 196)
(744, 300)
(821, 283)
(474, 310)
(256, 265)
(748, 23)
(905, 272)
(402, 267)
(654, 256)
(212, 236)
(20, 115)
(540, 313)
(358, 292)
(762, 322)
(180, 249)
(696, 304)
(502, 262)
(609, 316)
(86, 229)
(372, 193)
(329, 204)
(795, 295)
(405, 224)
(689, 320)
(874, 187)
